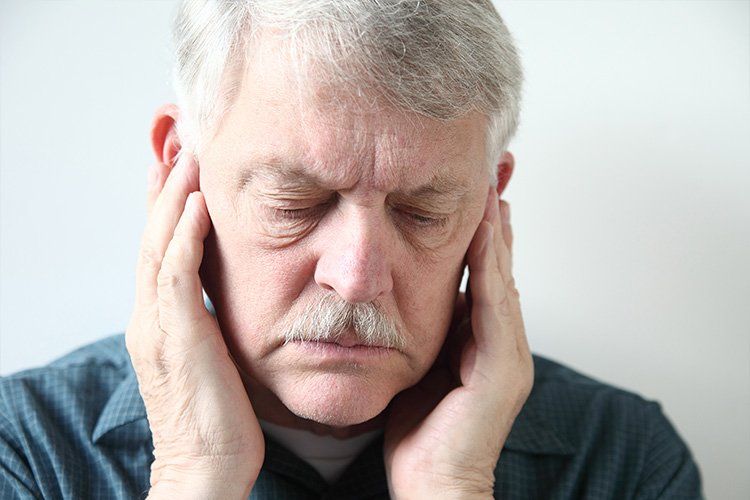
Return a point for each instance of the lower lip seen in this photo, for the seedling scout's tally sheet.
(336, 352)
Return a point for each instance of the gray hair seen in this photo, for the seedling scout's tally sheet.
(440, 59)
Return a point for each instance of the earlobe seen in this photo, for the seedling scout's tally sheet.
(164, 139)
(504, 171)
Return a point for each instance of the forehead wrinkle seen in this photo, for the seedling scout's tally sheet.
(391, 163)
(286, 174)
(407, 153)
(445, 185)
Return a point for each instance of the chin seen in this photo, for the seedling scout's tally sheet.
(336, 399)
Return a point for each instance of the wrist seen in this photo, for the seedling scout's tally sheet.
(469, 485)
(445, 494)
(445, 489)
(200, 482)
(199, 489)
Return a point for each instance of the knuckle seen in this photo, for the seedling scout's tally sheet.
(167, 281)
(511, 290)
(502, 303)
(149, 258)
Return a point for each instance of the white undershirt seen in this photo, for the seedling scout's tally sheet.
(327, 454)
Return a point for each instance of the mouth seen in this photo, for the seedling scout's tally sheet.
(340, 352)
(344, 345)
(349, 340)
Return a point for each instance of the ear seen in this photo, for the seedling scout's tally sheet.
(164, 139)
(504, 171)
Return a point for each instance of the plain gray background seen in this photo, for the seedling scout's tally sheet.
(629, 199)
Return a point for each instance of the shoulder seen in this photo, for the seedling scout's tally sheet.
(568, 397)
(64, 396)
(107, 352)
(52, 418)
(608, 437)
(81, 378)
(589, 412)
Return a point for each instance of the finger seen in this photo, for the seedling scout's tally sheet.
(507, 227)
(504, 248)
(505, 218)
(157, 174)
(501, 248)
(161, 224)
(486, 216)
(506, 261)
(487, 287)
(180, 295)
(499, 339)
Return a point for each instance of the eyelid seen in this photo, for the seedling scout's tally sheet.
(429, 220)
(414, 217)
(293, 213)
(289, 212)
(433, 221)
(285, 213)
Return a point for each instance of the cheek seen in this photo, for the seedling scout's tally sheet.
(425, 294)
(252, 288)
(245, 265)
(429, 287)
(265, 281)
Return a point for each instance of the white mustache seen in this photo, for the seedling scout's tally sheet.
(329, 318)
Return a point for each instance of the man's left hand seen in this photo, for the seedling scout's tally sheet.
(444, 435)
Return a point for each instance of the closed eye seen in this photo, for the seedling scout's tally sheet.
(414, 219)
(294, 213)
(424, 221)
(288, 213)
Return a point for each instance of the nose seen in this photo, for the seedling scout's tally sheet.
(354, 260)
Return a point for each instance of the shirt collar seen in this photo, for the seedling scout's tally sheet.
(365, 477)
(124, 407)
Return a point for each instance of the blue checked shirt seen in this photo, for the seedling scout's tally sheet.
(77, 429)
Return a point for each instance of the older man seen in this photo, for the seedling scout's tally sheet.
(330, 171)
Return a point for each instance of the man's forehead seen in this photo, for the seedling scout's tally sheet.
(449, 179)
(431, 159)
(276, 131)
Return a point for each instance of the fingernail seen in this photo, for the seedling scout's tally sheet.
(505, 211)
(152, 174)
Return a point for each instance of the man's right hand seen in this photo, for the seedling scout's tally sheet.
(207, 440)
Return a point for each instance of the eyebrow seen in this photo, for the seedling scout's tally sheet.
(443, 185)
(275, 170)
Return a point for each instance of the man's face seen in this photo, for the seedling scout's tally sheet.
(367, 206)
